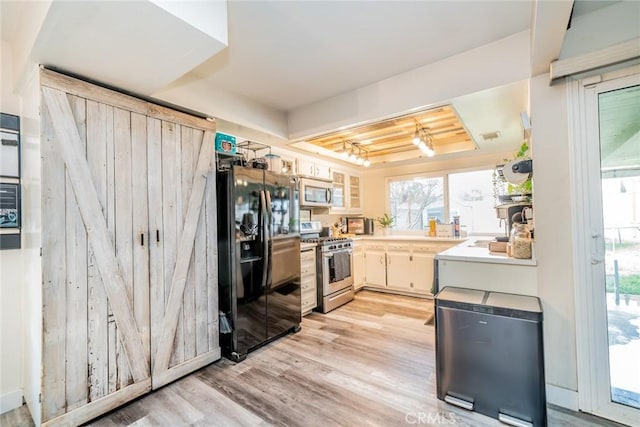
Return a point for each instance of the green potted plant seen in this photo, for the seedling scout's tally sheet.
(386, 222)
(525, 188)
(505, 192)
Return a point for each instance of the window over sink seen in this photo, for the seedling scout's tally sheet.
(413, 200)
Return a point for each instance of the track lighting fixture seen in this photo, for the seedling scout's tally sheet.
(422, 139)
(355, 153)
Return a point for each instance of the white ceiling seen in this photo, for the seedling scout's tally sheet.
(286, 54)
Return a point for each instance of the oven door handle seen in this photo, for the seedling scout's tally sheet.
(332, 253)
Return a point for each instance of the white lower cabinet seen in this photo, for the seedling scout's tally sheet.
(422, 269)
(402, 266)
(399, 267)
(358, 265)
(309, 299)
(375, 264)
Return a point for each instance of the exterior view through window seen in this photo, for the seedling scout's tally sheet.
(618, 113)
(414, 200)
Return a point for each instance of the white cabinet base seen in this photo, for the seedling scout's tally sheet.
(396, 292)
(514, 279)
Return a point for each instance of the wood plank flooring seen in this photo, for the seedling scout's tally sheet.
(370, 362)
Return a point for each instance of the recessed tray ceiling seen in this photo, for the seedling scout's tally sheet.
(395, 135)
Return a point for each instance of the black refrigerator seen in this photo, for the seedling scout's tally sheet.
(258, 255)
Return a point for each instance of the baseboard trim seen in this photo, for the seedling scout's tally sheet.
(10, 401)
(562, 397)
(396, 292)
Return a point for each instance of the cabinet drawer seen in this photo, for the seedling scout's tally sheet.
(399, 247)
(308, 286)
(309, 256)
(309, 301)
(426, 249)
(378, 246)
(311, 266)
(308, 270)
(309, 293)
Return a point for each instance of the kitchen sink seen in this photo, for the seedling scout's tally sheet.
(480, 244)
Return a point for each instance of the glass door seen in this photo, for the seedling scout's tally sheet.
(354, 192)
(339, 187)
(613, 141)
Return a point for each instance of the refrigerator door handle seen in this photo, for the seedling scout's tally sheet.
(264, 234)
(270, 212)
(269, 233)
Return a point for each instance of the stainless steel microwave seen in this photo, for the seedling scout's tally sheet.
(315, 193)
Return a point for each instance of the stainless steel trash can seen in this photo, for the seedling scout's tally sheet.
(489, 354)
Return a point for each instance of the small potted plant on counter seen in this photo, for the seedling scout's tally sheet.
(386, 222)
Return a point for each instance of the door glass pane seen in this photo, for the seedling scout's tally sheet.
(619, 120)
(338, 190)
(354, 192)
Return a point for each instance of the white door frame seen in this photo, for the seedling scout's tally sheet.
(588, 243)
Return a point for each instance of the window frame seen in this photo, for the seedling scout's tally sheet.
(444, 174)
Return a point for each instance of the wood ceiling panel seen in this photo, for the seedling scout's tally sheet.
(395, 135)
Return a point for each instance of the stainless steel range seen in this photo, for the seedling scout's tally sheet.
(334, 266)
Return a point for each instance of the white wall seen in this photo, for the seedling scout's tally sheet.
(20, 271)
(11, 331)
(550, 150)
(33, 14)
(11, 283)
(495, 64)
(31, 240)
(210, 17)
(200, 95)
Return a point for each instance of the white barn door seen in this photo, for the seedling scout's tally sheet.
(129, 248)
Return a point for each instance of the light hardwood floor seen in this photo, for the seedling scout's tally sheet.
(370, 362)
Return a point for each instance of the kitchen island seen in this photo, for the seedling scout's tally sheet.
(471, 265)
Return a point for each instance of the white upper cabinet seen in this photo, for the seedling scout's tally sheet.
(339, 200)
(346, 193)
(355, 201)
(314, 170)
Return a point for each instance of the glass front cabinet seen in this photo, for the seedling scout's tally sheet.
(346, 193)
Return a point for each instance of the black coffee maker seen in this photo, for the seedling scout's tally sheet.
(506, 213)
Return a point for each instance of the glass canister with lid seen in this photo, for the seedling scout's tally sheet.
(520, 241)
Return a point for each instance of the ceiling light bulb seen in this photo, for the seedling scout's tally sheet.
(359, 161)
(344, 153)
(352, 156)
(416, 138)
(366, 162)
(429, 152)
(422, 145)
